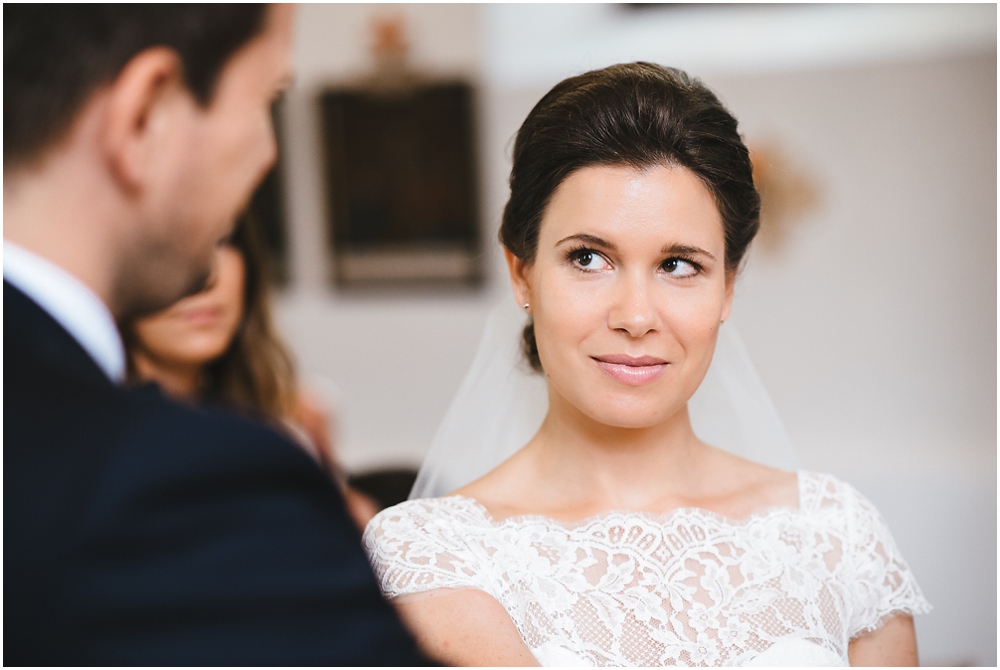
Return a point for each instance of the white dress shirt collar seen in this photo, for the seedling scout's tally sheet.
(71, 303)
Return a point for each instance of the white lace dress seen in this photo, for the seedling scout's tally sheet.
(786, 586)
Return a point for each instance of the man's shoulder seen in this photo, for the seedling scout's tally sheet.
(164, 448)
(79, 449)
(133, 508)
(158, 422)
(50, 403)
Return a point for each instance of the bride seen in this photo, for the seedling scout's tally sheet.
(616, 536)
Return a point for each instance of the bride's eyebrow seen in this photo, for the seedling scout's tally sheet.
(685, 250)
(670, 249)
(589, 239)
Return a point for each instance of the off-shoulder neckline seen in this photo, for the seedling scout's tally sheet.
(661, 518)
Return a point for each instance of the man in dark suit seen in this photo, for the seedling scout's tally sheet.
(138, 531)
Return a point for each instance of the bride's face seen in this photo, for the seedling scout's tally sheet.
(627, 291)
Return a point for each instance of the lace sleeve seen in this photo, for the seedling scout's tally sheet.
(423, 545)
(883, 585)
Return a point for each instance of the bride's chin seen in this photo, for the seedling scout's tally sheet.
(632, 416)
(629, 409)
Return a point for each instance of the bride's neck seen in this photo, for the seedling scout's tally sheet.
(619, 466)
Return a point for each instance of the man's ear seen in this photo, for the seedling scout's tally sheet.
(143, 104)
(519, 279)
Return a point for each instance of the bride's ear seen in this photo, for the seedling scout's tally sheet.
(727, 300)
(518, 277)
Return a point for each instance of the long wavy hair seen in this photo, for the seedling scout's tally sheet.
(256, 374)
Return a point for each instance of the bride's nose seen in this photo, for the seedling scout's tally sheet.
(632, 310)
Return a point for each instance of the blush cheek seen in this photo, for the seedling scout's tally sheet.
(566, 316)
(696, 331)
(693, 315)
(570, 316)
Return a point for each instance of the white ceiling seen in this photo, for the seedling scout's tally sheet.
(536, 45)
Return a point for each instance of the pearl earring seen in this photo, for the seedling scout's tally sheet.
(526, 305)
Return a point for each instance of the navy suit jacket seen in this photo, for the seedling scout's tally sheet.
(141, 532)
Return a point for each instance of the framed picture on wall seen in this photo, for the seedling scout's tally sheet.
(401, 184)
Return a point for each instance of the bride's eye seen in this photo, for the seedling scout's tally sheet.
(587, 259)
(680, 267)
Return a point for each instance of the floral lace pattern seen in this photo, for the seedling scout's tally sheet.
(688, 588)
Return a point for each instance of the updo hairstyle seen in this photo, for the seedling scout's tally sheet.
(636, 115)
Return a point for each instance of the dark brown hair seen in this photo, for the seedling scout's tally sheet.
(55, 55)
(636, 115)
(255, 375)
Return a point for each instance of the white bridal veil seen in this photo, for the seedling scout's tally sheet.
(502, 402)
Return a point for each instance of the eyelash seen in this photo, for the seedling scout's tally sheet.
(574, 254)
(698, 268)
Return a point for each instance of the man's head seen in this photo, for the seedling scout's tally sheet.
(159, 114)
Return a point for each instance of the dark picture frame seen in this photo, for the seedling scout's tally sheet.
(402, 186)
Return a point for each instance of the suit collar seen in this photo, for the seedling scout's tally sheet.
(70, 303)
(33, 329)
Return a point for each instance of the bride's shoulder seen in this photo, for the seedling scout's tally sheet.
(442, 517)
(429, 544)
(823, 491)
(837, 502)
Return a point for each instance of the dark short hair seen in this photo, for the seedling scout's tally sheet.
(56, 55)
(636, 115)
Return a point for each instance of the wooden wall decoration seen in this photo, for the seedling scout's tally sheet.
(401, 173)
(401, 184)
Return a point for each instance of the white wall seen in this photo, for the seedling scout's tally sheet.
(874, 327)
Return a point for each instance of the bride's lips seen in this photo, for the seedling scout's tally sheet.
(631, 371)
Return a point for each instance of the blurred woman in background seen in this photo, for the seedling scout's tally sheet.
(220, 347)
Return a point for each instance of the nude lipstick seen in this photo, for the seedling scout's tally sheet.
(631, 371)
